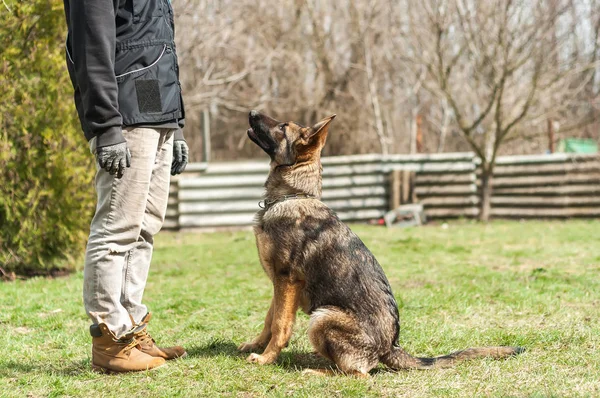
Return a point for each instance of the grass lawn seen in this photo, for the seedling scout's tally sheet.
(534, 284)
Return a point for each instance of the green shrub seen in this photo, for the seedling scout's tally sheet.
(46, 171)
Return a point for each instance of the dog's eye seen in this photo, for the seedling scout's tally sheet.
(282, 126)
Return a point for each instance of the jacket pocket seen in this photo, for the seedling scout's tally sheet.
(148, 89)
(144, 10)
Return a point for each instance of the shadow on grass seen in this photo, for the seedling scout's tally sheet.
(289, 360)
(214, 348)
(10, 368)
(297, 361)
(13, 369)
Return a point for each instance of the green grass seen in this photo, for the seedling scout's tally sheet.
(534, 284)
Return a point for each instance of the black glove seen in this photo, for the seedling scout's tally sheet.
(180, 157)
(114, 158)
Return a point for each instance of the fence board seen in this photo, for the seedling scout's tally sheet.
(171, 223)
(221, 194)
(218, 207)
(445, 179)
(344, 170)
(538, 159)
(360, 215)
(446, 190)
(550, 212)
(364, 203)
(354, 192)
(545, 201)
(216, 220)
(550, 191)
(212, 181)
(433, 167)
(450, 201)
(359, 180)
(545, 180)
(549, 168)
(529, 181)
(429, 157)
(237, 168)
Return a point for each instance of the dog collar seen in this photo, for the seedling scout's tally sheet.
(266, 204)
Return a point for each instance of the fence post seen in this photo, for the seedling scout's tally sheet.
(206, 135)
(395, 189)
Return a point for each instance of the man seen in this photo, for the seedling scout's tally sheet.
(123, 66)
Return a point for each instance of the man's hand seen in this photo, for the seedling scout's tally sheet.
(180, 157)
(114, 158)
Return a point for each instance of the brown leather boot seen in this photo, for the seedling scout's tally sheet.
(112, 355)
(148, 345)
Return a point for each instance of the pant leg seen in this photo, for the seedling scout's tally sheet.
(116, 229)
(138, 258)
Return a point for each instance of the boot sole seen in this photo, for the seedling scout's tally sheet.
(185, 354)
(106, 371)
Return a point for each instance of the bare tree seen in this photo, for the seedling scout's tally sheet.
(495, 63)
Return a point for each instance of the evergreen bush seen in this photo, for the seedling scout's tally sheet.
(46, 171)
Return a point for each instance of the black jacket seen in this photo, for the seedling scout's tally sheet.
(123, 65)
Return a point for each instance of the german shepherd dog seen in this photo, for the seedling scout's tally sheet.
(317, 263)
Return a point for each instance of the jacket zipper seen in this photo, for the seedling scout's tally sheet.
(145, 67)
(169, 21)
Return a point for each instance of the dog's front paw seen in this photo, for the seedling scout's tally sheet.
(260, 359)
(250, 347)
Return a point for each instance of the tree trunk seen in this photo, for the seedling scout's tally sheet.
(486, 193)
(420, 148)
(442, 140)
(372, 82)
(413, 130)
(550, 136)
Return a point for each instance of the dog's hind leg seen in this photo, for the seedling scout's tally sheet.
(286, 299)
(336, 335)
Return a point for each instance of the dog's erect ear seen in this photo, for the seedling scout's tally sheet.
(319, 130)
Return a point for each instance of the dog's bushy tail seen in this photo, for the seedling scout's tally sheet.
(400, 359)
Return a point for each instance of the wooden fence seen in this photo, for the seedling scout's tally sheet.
(358, 188)
(551, 186)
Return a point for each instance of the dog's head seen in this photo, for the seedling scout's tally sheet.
(288, 143)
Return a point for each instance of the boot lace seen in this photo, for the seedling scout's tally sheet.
(144, 337)
(130, 345)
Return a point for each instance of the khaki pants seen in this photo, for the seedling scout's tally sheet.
(129, 212)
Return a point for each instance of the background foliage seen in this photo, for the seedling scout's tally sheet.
(377, 63)
(46, 194)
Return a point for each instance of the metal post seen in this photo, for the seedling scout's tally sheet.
(206, 136)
